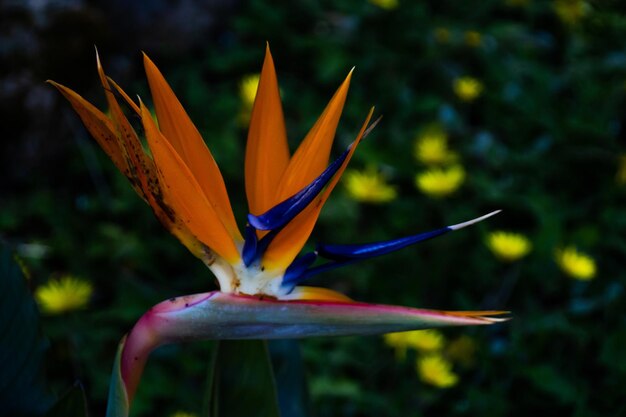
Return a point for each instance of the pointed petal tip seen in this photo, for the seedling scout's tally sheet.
(97, 57)
(373, 125)
(349, 76)
(487, 316)
(257, 222)
(70, 94)
(146, 58)
(473, 221)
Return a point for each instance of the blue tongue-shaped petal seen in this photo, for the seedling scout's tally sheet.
(341, 255)
(250, 246)
(370, 250)
(282, 213)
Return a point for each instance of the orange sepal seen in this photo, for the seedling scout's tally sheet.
(98, 125)
(267, 151)
(185, 195)
(289, 242)
(184, 138)
(142, 172)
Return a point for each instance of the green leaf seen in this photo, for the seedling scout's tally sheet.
(548, 379)
(118, 405)
(72, 404)
(291, 384)
(22, 389)
(207, 400)
(243, 382)
(612, 353)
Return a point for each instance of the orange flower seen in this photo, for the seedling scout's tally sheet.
(182, 183)
(259, 272)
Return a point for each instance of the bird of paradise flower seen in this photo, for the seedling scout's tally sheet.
(259, 272)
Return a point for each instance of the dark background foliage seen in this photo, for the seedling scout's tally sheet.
(542, 142)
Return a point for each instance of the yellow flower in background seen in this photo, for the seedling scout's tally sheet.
(442, 35)
(398, 341)
(64, 294)
(247, 89)
(369, 186)
(571, 12)
(467, 88)
(425, 340)
(247, 93)
(576, 264)
(508, 246)
(435, 370)
(462, 350)
(431, 147)
(385, 4)
(421, 340)
(182, 414)
(440, 182)
(620, 177)
(473, 38)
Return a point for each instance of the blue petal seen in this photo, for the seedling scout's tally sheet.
(250, 246)
(369, 250)
(305, 273)
(282, 213)
(341, 255)
(298, 269)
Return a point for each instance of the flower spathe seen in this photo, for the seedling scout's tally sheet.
(259, 271)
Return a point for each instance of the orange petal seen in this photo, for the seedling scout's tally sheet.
(311, 157)
(146, 172)
(289, 242)
(98, 125)
(267, 151)
(185, 139)
(125, 96)
(316, 294)
(185, 195)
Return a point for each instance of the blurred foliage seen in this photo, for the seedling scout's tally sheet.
(543, 141)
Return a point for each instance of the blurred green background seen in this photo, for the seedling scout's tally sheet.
(543, 140)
